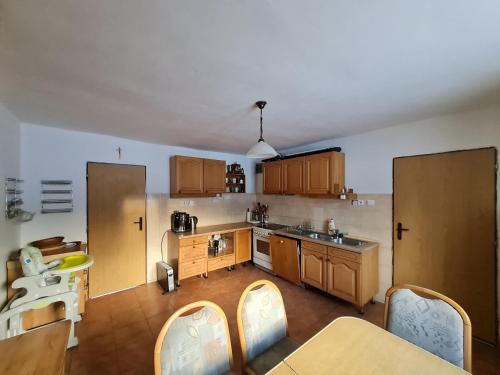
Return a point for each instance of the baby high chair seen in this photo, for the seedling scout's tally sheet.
(42, 285)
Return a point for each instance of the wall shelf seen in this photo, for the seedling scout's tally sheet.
(56, 196)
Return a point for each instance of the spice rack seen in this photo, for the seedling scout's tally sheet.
(57, 196)
(13, 197)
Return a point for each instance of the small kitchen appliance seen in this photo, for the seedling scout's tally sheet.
(165, 276)
(180, 222)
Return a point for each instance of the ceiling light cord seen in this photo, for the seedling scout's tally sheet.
(261, 139)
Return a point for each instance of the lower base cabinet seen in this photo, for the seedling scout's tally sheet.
(348, 275)
(190, 254)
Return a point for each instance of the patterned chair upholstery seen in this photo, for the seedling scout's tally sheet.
(194, 344)
(263, 326)
(432, 324)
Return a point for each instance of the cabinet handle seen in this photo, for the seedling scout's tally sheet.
(281, 241)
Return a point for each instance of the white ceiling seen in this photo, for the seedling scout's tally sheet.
(187, 72)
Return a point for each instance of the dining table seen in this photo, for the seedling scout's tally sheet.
(351, 345)
(38, 351)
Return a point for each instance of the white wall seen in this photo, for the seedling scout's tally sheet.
(50, 153)
(369, 155)
(9, 167)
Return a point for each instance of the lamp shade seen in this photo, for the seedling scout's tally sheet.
(261, 150)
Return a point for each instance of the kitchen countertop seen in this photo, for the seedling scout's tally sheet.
(369, 245)
(214, 229)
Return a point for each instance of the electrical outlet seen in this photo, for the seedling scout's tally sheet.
(361, 202)
(370, 202)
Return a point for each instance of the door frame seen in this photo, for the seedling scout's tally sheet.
(145, 216)
(497, 248)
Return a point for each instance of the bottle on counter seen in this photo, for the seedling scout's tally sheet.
(249, 215)
(331, 226)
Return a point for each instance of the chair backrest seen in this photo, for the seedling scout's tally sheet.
(261, 318)
(194, 342)
(431, 321)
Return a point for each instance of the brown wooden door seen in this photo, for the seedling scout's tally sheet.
(243, 243)
(272, 177)
(214, 176)
(313, 268)
(285, 258)
(317, 173)
(293, 175)
(116, 202)
(188, 176)
(447, 203)
(342, 278)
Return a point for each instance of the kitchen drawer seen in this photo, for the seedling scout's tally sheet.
(192, 252)
(314, 246)
(192, 268)
(193, 241)
(349, 255)
(220, 262)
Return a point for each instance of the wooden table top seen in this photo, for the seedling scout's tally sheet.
(354, 346)
(41, 351)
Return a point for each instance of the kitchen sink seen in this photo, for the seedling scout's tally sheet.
(325, 237)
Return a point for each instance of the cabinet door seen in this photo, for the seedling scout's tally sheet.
(285, 258)
(313, 269)
(318, 173)
(342, 278)
(214, 176)
(187, 175)
(272, 177)
(293, 175)
(243, 243)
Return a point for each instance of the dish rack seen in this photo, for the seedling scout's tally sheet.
(57, 196)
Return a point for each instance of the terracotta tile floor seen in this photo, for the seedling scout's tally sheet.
(118, 332)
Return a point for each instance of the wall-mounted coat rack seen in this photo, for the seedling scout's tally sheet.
(57, 196)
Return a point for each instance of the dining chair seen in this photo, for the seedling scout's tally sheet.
(262, 327)
(431, 321)
(194, 340)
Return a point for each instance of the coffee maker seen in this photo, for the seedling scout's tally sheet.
(181, 222)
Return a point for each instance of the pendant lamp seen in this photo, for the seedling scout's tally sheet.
(261, 150)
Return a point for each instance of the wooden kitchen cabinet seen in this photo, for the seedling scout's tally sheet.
(317, 169)
(293, 175)
(243, 245)
(272, 177)
(196, 177)
(214, 176)
(342, 279)
(285, 258)
(349, 275)
(186, 176)
(313, 268)
(320, 174)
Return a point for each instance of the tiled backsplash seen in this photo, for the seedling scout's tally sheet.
(229, 208)
(372, 223)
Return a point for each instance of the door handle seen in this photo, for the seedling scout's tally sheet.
(400, 231)
(139, 222)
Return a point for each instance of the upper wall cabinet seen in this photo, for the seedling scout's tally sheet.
(214, 176)
(317, 174)
(196, 177)
(272, 177)
(293, 176)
